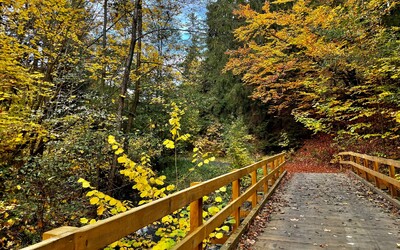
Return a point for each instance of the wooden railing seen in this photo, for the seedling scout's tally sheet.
(381, 171)
(105, 232)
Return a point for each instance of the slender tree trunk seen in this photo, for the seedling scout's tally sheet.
(104, 44)
(124, 87)
(127, 70)
(135, 102)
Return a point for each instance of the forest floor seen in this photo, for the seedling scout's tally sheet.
(333, 210)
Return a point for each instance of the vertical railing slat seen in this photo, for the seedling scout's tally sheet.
(196, 216)
(235, 195)
(254, 182)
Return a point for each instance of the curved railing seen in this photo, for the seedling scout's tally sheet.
(105, 232)
(381, 171)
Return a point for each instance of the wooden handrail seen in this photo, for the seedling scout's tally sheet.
(107, 231)
(373, 173)
(373, 158)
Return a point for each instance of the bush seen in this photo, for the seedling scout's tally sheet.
(238, 144)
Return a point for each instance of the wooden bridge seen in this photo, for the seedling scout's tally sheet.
(318, 210)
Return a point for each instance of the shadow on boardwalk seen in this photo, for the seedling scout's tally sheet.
(326, 210)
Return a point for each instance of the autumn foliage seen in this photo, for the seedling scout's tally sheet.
(334, 65)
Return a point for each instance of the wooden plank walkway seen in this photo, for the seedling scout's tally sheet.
(327, 211)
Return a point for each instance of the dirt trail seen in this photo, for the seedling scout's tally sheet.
(325, 210)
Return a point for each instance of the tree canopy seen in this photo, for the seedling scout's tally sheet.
(334, 65)
(128, 99)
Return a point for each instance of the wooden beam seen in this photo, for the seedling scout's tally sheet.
(107, 231)
(196, 215)
(382, 177)
(234, 238)
(381, 160)
(58, 232)
(235, 195)
(254, 182)
(208, 227)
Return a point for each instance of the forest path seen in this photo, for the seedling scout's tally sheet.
(326, 210)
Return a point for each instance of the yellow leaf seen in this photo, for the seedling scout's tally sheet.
(213, 210)
(113, 202)
(84, 220)
(200, 164)
(122, 159)
(119, 151)
(114, 244)
(94, 200)
(85, 183)
(100, 210)
(219, 235)
(398, 117)
(91, 193)
(169, 144)
(111, 139)
(191, 169)
(225, 228)
(142, 202)
(92, 221)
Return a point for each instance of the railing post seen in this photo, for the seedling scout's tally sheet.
(376, 168)
(265, 173)
(254, 182)
(366, 164)
(392, 173)
(358, 162)
(352, 167)
(272, 169)
(235, 195)
(196, 215)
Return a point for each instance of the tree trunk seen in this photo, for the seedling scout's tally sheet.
(124, 87)
(135, 103)
(104, 44)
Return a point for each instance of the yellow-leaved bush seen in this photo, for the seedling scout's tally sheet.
(171, 228)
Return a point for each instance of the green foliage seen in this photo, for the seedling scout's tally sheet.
(198, 174)
(238, 144)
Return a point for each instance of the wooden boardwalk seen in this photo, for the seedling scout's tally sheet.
(327, 211)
